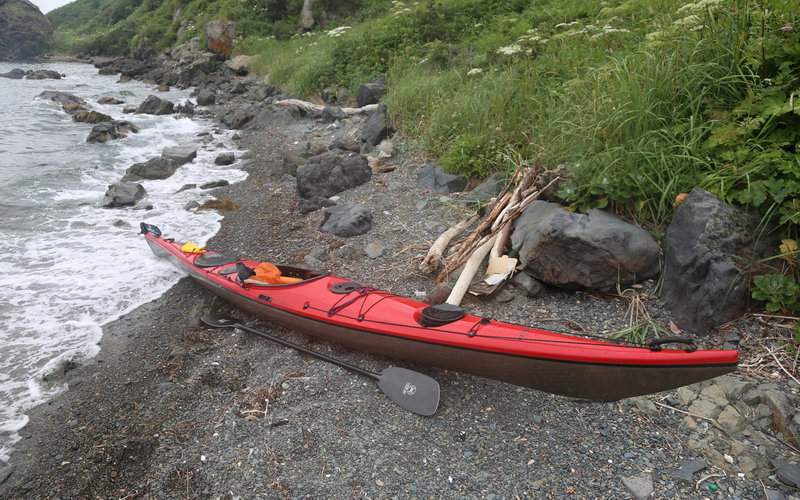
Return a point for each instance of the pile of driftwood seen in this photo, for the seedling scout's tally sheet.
(490, 237)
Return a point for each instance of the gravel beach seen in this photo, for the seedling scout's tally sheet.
(173, 409)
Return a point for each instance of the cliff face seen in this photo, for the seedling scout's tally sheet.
(24, 31)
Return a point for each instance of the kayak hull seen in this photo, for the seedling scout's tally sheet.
(387, 325)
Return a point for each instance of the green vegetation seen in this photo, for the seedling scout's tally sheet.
(639, 100)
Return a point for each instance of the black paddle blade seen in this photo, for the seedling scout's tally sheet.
(409, 389)
(219, 321)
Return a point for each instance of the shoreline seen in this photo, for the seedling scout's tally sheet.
(171, 409)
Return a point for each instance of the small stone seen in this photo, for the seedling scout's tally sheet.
(640, 486)
(374, 250)
(687, 470)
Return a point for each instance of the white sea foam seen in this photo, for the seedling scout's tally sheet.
(69, 266)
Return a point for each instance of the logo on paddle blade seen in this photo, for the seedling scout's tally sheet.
(409, 389)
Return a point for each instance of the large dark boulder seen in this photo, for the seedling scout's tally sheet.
(107, 131)
(43, 74)
(154, 168)
(707, 248)
(377, 126)
(371, 93)
(25, 32)
(124, 194)
(332, 172)
(156, 106)
(346, 220)
(596, 250)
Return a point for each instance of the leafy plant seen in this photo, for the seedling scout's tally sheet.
(779, 291)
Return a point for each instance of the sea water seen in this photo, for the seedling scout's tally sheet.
(68, 266)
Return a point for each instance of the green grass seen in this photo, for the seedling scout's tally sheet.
(640, 99)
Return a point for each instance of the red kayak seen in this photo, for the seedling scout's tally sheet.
(364, 318)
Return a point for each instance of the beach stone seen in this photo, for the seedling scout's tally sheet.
(330, 115)
(640, 486)
(109, 100)
(291, 161)
(156, 106)
(527, 284)
(90, 117)
(314, 203)
(154, 168)
(788, 473)
(374, 250)
(123, 194)
(215, 184)
(43, 74)
(707, 245)
(14, 74)
(434, 177)
(107, 131)
(205, 97)
(376, 127)
(347, 220)
(6, 471)
(491, 187)
(687, 469)
(241, 64)
(180, 154)
(185, 109)
(596, 250)
(371, 93)
(225, 159)
(332, 172)
(731, 420)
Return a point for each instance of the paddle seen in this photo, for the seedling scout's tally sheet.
(409, 389)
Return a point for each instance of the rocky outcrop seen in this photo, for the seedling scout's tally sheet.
(111, 130)
(596, 250)
(156, 106)
(707, 247)
(24, 31)
(35, 74)
(220, 36)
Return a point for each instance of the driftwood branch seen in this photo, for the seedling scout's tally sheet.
(317, 108)
(465, 279)
(433, 259)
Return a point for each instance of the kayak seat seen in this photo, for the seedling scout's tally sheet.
(213, 260)
(268, 274)
(440, 315)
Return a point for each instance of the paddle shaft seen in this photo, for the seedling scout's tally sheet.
(300, 348)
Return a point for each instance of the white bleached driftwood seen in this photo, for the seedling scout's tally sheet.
(317, 108)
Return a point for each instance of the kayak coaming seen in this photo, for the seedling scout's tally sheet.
(361, 320)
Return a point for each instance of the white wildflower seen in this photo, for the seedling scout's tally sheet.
(510, 50)
(475, 71)
(337, 31)
(567, 25)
